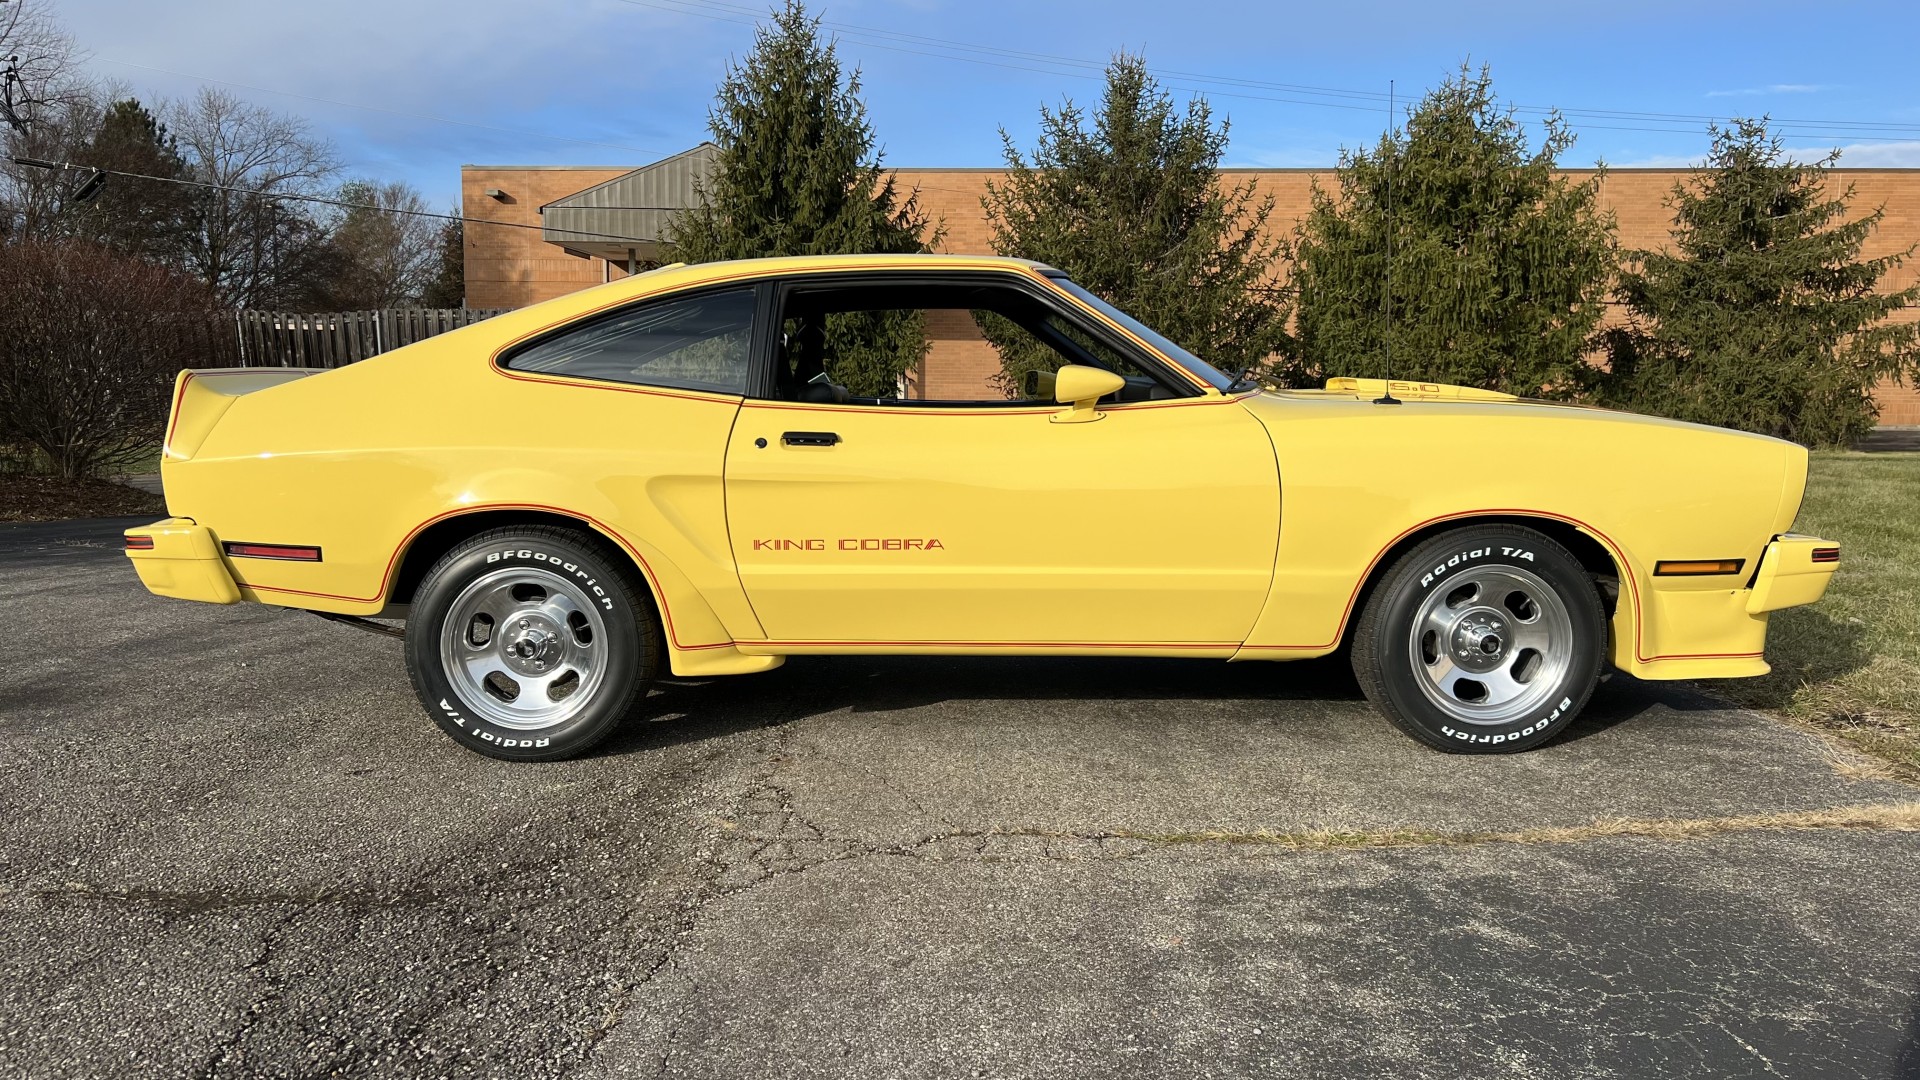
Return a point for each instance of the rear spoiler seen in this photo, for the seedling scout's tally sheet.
(201, 397)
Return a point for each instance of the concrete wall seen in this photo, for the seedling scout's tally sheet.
(511, 267)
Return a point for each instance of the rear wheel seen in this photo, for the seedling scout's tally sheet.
(530, 644)
(1482, 640)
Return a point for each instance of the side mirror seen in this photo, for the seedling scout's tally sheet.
(1081, 388)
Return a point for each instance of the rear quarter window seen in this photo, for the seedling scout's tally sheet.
(700, 342)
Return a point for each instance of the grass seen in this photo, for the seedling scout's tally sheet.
(1850, 665)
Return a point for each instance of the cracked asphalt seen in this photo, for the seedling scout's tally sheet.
(232, 845)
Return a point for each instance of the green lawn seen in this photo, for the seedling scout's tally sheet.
(1851, 663)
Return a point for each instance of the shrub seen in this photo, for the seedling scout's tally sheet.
(89, 344)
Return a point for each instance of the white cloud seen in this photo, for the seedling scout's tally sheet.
(1658, 161)
(1880, 155)
(1776, 88)
(1887, 155)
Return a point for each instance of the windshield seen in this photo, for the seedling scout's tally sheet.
(1202, 370)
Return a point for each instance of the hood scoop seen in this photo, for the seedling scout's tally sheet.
(1406, 390)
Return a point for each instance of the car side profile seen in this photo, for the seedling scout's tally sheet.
(663, 474)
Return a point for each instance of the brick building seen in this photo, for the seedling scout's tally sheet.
(562, 208)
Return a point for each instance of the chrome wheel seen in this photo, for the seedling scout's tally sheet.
(1491, 645)
(524, 648)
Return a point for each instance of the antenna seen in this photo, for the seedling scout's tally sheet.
(1393, 151)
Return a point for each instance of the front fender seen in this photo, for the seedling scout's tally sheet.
(1358, 480)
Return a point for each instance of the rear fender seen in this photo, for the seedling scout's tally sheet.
(202, 397)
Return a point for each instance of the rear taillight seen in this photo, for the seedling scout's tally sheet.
(1831, 554)
(139, 543)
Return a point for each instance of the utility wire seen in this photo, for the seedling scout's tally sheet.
(383, 109)
(724, 12)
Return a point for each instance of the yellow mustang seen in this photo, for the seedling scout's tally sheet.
(662, 473)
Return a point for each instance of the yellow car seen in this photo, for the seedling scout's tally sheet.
(662, 474)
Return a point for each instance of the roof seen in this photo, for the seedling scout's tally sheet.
(630, 212)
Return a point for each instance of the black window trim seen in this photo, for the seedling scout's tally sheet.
(761, 385)
(758, 341)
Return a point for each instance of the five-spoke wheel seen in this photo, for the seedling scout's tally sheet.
(530, 643)
(1483, 639)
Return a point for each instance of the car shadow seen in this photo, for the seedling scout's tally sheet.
(1807, 645)
(680, 711)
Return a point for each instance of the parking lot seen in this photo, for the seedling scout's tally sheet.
(235, 846)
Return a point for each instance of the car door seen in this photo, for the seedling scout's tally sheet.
(971, 527)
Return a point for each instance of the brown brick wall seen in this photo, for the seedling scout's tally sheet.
(508, 267)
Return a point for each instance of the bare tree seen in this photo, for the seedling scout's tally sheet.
(47, 107)
(37, 62)
(252, 244)
(386, 251)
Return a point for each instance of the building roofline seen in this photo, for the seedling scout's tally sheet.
(555, 168)
(1223, 168)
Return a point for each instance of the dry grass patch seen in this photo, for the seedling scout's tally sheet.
(1872, 817)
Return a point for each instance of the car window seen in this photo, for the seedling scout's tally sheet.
(972, 343)
(1202, 370)
(697, 342)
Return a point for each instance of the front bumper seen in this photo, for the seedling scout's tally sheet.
(178, 558)
(1721, 633)
(1794, 570)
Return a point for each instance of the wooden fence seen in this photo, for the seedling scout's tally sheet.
(295, 339)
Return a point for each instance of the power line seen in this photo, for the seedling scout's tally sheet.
(325, 201)
(384, 109)
(725, 12)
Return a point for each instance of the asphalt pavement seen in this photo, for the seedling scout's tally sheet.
(231, 844)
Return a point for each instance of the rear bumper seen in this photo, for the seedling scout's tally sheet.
(180, 559)
(1795, 570)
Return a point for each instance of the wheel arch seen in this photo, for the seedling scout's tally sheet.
(696, 640)
(427, 545)
(1595, 554)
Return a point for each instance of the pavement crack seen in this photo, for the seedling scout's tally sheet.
(1765, 1061)
(258, 967)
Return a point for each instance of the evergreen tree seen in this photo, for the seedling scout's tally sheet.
(798, 174)
(1134, 210)
(1500, 265)
(1761, 315)
(448, 289)
(146, 219)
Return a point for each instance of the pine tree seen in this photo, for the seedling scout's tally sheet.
(1134, 210)
(798, 174)
(1500, 264)
(448, 289)
(1761, 315)
(147, 219)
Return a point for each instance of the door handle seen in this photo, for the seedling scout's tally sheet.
(809, 438)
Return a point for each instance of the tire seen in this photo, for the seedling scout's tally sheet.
(531, 643)
(1482, 640)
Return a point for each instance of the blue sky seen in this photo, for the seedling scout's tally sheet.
(415, 89)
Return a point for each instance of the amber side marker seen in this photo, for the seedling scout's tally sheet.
(1826, 554)
(139, 543)
(1697, 567)
(271, 551)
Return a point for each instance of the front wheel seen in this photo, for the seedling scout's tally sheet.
(530, 644)
(1483, 640)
